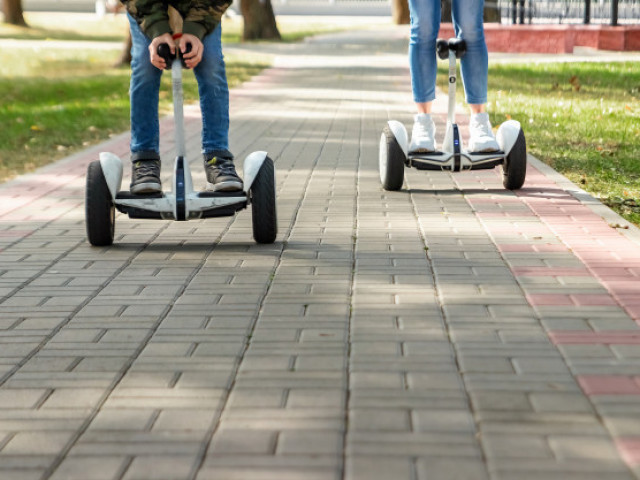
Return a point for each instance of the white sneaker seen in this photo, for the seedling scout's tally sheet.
(481, 138)
(423, 134)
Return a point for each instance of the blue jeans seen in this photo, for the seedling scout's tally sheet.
(467, 21)
(144, 91)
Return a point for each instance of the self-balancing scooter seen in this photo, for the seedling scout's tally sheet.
(394, 141)
(104, 177)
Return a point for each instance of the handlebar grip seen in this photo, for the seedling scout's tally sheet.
(165, 52)
(186, 50)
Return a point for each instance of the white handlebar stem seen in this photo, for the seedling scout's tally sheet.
(178, 114)
(451, 113)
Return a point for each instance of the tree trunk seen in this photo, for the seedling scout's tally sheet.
(125, 54)
(446, 11)
(491, 12)
(259, 20)
(12, 10)
(400, 12)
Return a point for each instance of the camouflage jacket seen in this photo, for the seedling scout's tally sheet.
(200, 16)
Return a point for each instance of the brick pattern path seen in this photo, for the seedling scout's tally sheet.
(452, 330)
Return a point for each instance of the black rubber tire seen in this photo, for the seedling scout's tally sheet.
(514, 169)
(100, 212)
(263, 204)
(391, 171)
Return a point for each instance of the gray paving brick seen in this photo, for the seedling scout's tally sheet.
(22, 397)
(599, 449)
(502, 446)
(122, 419)
(553, 469)
(386, 420)
(37, 443)
(243, 442)
(373, 468)
(411, 445)
(22, 474)
(450, 468)
(166, 467)
(110, 443)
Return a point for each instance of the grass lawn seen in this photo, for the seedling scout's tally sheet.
(81, 101)
(64, 26)
(59, 95)
(582, 119)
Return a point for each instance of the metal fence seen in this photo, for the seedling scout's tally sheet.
(611, 12)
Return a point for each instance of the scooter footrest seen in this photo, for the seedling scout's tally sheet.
(211, 194)
(227, 211)
(426, 155)
(139, 213)
(487, 165)
(127, 195)
(484, 154)
(429, 166)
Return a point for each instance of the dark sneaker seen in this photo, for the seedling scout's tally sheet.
(221, 175)
(145, 176)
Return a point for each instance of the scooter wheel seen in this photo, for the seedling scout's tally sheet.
(391, 159)
(100, 215)
(263, 204)
(514, 169)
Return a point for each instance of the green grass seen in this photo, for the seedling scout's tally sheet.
(81, 101)
(62, 26)
(113, 28)
(56, 99)
(582, 119)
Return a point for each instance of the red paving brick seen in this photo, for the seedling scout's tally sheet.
(614, 337)
(629, 448)
(550, 272)
(546, 299)
(609, 384)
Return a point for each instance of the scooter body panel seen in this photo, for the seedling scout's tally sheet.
(112, 170)
(252, 164)
(447, 143)
(402, 137)
(507, 135)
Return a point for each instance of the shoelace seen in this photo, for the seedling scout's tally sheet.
(421, 130)
(480, 129)
(224, 167)
(144, 169)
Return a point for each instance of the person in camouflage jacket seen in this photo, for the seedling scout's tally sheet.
(151, 25)
(201, 17)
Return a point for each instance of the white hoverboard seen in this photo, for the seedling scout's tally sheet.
(104, 178)
(394, 141)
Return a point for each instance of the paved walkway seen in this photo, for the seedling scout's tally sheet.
(451, 330)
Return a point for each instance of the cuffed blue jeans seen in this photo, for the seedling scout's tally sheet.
(144, 93)
(425, 24)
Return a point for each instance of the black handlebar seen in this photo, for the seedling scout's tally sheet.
(165, 52)
(456, 45)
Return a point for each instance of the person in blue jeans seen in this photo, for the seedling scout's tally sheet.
(467, 16)
(150, 27)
